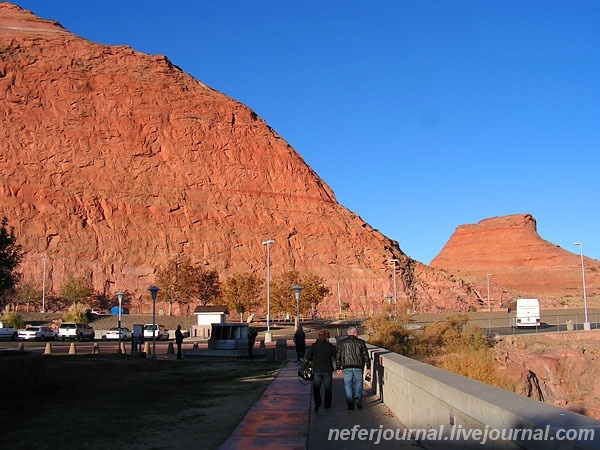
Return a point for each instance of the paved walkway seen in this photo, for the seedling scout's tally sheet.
(283, 418)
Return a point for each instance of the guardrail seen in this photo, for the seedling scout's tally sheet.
(447, 410)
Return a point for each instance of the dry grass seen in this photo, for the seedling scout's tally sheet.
(112, 402)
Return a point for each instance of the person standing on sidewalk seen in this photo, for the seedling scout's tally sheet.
(322, 353)
(300, 343)
(178, 340)
(352, 356)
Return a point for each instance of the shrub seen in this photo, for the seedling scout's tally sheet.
(13, 319)
(460, 347)
(388, 333)
(77, 312)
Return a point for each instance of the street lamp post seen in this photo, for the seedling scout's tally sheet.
(154, 291)
(120, 295)
(297, 290)
(268, 336)
(586, 324)
(488, 286)
(395, 292)
(389, 299)
(44, 286)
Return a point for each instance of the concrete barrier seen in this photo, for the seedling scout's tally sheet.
(424, 397)
(281, 350)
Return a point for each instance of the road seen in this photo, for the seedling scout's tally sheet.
(543, 328)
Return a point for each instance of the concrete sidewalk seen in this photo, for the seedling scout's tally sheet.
(283, 418)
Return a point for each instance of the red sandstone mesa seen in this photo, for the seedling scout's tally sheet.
(113, 161)
(520, 262)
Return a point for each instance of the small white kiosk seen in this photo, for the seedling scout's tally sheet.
(206, 317)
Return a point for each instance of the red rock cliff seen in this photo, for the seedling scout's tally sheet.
(113, 161)
(519, 261)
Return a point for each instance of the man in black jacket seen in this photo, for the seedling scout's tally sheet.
(322, 353)
(352, 356)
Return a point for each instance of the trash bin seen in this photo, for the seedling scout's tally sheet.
(570, 325)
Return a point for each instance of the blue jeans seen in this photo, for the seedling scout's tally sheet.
(323, 378)
(353, 385)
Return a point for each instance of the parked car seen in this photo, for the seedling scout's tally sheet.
(79, 331)
(8, 332)
(113, 334)
(160, 332)
(37, 333)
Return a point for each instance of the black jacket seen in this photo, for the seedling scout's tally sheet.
(321, 353)
(351, 353)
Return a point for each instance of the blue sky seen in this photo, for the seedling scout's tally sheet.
(420, 115)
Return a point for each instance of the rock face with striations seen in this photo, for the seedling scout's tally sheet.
(114, 161)
(519, 261)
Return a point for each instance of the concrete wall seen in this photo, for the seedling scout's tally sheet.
(426, 397)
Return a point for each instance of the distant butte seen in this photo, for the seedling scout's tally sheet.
(519, 261)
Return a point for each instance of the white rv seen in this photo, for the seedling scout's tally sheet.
(527, 312)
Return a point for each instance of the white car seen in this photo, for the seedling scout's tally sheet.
(72, 330)
(38, 333)
(113, 334)
(160, 332)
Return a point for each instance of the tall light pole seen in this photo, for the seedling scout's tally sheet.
(297, 290)
(268, 336)
(586, 324)
(389, 299)
(44, 285)
(120, 295)
(488, 286)
(153, 291)
(395, 292)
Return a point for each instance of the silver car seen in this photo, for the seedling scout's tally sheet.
(37, 333)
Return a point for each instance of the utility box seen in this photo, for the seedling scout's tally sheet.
(137, 338)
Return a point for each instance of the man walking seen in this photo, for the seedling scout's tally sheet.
(178, 340)
(322, 353)
(352, 356)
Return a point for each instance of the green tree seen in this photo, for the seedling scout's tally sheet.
(77, 290)
(11, 255)
(241, 292)
(283, 299)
